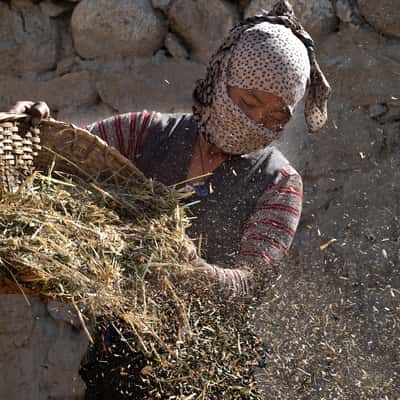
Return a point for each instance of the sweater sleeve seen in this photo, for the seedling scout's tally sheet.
(269, 232)
(125, 132)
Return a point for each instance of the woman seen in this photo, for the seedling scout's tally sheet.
(249, 208)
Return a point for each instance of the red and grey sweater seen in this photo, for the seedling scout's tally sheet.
(267, 232)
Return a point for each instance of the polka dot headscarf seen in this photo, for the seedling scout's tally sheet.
(269, 57)
(270, 52)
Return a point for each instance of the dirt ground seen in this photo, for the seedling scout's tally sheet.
(330, 320)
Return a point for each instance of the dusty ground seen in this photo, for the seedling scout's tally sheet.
(330, 321)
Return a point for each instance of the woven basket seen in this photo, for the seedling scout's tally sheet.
(19, 144)
(81, 153)
(74, 150)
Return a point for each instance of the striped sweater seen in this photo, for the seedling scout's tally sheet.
(269, 231)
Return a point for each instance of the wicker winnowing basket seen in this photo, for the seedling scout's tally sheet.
(74, 150)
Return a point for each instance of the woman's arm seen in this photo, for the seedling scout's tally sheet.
(267, 237)
(269, 231)
(125, 132)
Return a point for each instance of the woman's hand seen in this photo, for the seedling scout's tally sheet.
(37, 110)
(232, 281)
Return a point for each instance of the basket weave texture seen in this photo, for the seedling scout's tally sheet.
(19, 144)
(78, 152)
(24, 147)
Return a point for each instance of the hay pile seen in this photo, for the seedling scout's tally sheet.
(90, 246)
(118, 252)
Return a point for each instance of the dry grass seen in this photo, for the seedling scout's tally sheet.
(120, 252)
(79, 243)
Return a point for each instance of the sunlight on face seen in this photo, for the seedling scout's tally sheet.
(262, 107)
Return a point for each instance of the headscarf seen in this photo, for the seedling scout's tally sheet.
(269, 52)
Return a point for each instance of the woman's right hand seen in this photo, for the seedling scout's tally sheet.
(37, 110)
(234, 281)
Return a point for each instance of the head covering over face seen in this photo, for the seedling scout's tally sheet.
(272, 53)
(269, 57)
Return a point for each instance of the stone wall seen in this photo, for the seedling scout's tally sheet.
(331, 319)
(41, 347)
(91, 58)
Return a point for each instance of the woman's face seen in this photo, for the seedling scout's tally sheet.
(263, 107)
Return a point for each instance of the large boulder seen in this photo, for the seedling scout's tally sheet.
(65, 45)
(203, 24)
(161, 4)
(105, 28)
(75, 88)
(27, 39)
(384, 17)
(160, 86)
(54, 9)
(257, 6)
(175, 46)
(317, 16)
(41, 349)
(344, 10)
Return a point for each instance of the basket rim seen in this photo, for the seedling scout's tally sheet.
(90, 152)
(77, 145)
(10, 116)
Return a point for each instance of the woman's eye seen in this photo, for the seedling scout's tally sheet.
(247, 104)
